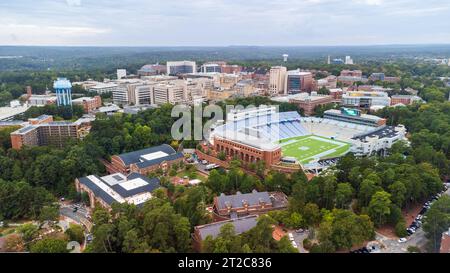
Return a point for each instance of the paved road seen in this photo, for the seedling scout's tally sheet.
(81, 216)
(393, 246)
(298, 238)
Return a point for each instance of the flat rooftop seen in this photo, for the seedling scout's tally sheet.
(383, 132)
(363, 116)
(134, 188)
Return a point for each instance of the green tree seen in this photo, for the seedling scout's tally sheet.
(75, 233)
(28, 232)
(379, 207)
(49, 245)
(437, 221)
(344, 193)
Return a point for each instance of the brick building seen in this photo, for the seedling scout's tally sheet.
(404, 99)
(244, 204)
(52, 133)
(241, 225)
(248, 151)
(89, 104)
(144, 161)
(42, 131)
(309, 102)
(351, 73)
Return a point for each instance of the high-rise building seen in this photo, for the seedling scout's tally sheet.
(348, 60)
(211, 68)
(277, 77)
(169, 93)
(120, 95)
(140, 94)
(121, 73)
(63, 90)
(182, 67)
(329, 59)
(298, 81)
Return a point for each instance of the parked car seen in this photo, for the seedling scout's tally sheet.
(402, 240)
(300, 230)
(204, 162)
(294, 244)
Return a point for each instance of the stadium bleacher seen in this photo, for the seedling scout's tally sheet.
(275, 127)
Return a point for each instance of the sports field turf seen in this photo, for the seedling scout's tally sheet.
(308, 148)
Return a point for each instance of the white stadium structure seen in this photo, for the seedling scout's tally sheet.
(265, 128)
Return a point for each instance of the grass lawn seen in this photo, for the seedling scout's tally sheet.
(308, 148)
(192, 175)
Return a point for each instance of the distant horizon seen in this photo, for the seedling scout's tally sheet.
(228, 46)
(222, 22)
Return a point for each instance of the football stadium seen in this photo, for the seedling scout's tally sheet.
(313, 148)
(261, 133)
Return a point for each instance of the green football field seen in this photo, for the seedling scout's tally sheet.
(309, 148)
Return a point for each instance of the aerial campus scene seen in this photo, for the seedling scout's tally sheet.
(218, 126)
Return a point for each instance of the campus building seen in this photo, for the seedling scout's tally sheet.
(41, 100)
(241, 225)
(43, 131)
(100, 87)
(354, 116)
(378, 141)
(181, 67)
(277, 78)
(445, 241)
(298, 81)
(53, 133)
(89, 104)
(405, 99)
(117, 188)
(211, 68)
(365, 100)
(248, 149)
(152, 69)
(309, 102)
(244, 204)
(351, 73)
(172, 93)
(144, 161)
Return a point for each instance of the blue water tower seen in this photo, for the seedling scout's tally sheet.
(63, 90)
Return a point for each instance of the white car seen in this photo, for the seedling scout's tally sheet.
(294, 244)
(402, 240)
(204, 162)
(291, 237)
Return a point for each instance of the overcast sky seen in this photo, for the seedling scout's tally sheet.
(223, 22)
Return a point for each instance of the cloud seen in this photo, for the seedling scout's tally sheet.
(224, 22)
(72, 3)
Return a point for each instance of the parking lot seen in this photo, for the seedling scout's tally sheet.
(417, 223)
(298, 238)
(417, 235)
(415, 238)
